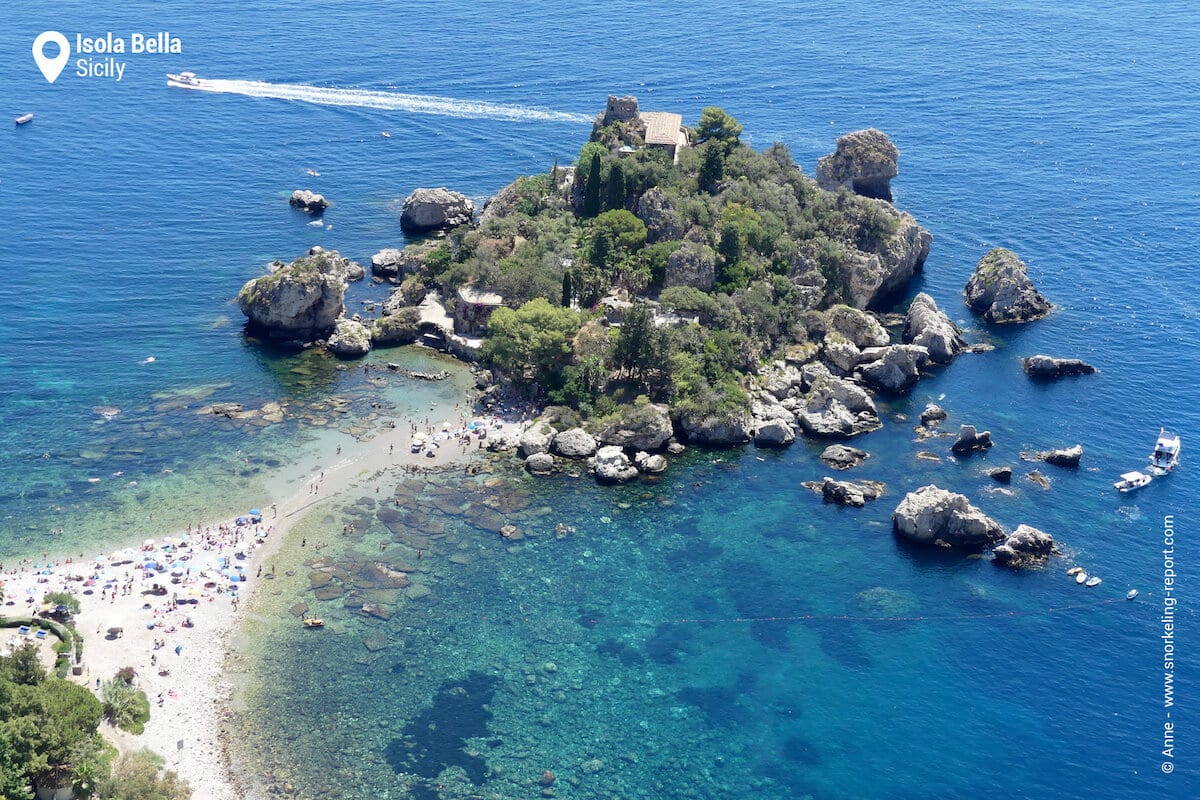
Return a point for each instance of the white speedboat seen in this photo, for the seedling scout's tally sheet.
(1166, 453)
(24, 119)
(1131, 481)
(1093, 582)
(1132, 593)
(183, 80)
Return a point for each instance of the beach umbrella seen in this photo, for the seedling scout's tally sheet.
(150, 565)
(256, 512)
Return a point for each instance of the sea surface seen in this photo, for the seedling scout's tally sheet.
(717, 633)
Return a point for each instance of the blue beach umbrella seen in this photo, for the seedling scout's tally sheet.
(256, 512)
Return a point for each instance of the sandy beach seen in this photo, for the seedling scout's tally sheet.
(179, 647)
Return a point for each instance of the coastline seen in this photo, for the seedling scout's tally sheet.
(188, 689)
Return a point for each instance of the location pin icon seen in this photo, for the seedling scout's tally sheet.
(51, 67)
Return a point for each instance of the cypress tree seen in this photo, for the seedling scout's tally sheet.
(567, 290)
(591, 190)
(615, 198)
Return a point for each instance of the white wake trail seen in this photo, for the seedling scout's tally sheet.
(388, 101)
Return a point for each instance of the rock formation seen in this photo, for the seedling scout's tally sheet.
(573, 443)
(350, 339)
(928, 326)
(1024, 547)
(859, 327)
(1001, 474)
(663, 222)
(401, 327)
(865, 162)
(873, 280)
(1061, 457)
(640, 427)
(650, 463)
(536, 438)
(539, 463)
(840, 456)
(308, 201)
(773, 433)
(846, 493)
(717, 431)
(969, 440)
(300, 301)
(837, 408)
(613, 466)
(931, 515)
(932, 413)
(1000, 289)
(435, 209)
(1040, 366)
(691, 265)
(894, 369)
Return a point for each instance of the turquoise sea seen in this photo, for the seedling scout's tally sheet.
(718, 633)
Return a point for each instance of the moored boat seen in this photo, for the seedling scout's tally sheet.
(1074, 571)
(1132, 593)
(1093, 582)
(1165, 456)
(1131, 481)
(24, 119)
(1081, 577)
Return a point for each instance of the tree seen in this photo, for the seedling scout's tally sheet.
(615, 196)
(712, 168)
(591, 189)
(568, 293)
(640, 347)
(716, 125)
(536, 335)
(140, 776)
(14, 781)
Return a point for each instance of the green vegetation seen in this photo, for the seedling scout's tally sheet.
(140, 776)
(48, 737)
(740, 240)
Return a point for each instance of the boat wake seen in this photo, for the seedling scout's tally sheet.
(388, 101)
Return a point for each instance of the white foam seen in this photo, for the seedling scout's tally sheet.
(388, 101)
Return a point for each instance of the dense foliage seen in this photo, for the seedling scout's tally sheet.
(704, 265)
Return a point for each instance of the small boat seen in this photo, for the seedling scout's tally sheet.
(314, 622)
(1132, 593)
(1081, 577)
(183, 80)
(313, 173)
(1131, 481)
(1093, 581)
(24, 119)
(1074, 570)
(1166, 453)
(385, 135)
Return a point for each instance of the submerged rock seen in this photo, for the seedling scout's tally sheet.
(970, 440)
(928, 326)
(435, 209)
(865, 162)
(1040, 366)
(1038, 478)
(932, 515)
(1000, 289)
(840, 456)
(1025, 547)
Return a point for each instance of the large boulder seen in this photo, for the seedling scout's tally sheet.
(865, 162)
(650, 463)
(840, 353)
(1024, 547)
(693, 264)
(928, 326)
(932, 413)
(536, 438)
(715, 430)
(435, 209)
(302, 300)
(894, 369)
(932, 515)
(840, 456)
(540, 463)
(1000, 289)
(402, 326)
(969, 440)
(308, 201)
(393, 263)
(350, 339)
(644, 426)
(774, 433)
(613, 466)
(1048, 368)
(573, 443)
(860, 327)
(663, 223)
(846, 493)
(1061, 457)
(836, 408)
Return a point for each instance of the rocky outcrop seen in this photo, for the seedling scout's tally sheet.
(837, 408)
(573, 443)
(874, 280)
(435, 209)
(650, 463)
(401, 327)
(846, 493)
(840, 456)
(300, 301)
(715, 431)
(693, 265)
(308, 201)
(773, 433)
(840, 353)
(411, 292)
(612, 465)
(1062, 457)
(893, 369)
(536, 438)
(970, 440)
(1048, 368)
(350, 339)
(539, 463)
(928, 326)
(932, 413)
(865, 162)
(1001, 474)
(393, 264)
(932, 515)
(663, 222)
(1000, 289)
(639, 427)
(856, 326)
(1024, 547)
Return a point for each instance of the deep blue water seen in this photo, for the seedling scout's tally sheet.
(133, 213)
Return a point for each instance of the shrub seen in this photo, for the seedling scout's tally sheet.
(140, 776)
